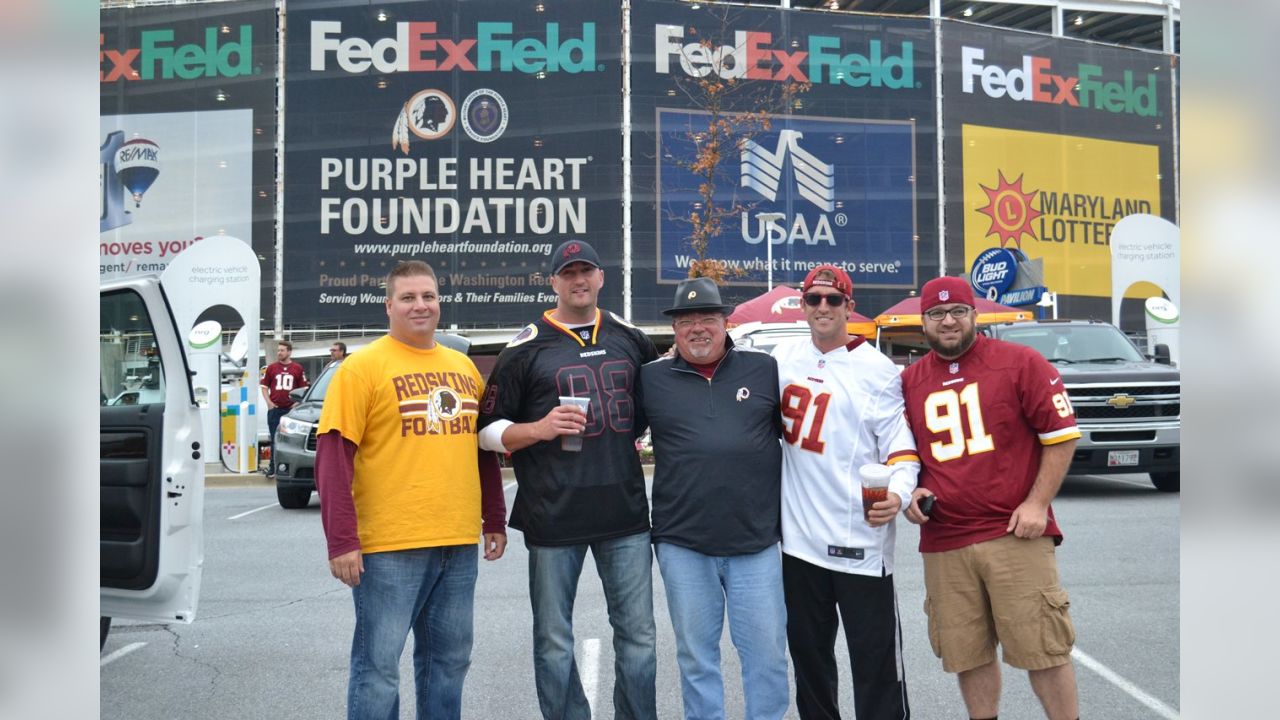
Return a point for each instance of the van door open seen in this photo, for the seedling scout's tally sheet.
(152, 459)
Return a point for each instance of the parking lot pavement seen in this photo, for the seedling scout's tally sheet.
(273, 629)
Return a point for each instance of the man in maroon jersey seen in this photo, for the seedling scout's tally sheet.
(996, 432)
(280, 377)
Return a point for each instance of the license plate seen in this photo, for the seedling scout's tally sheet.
(1122, 458)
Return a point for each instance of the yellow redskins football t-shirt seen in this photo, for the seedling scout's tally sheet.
(412, 415)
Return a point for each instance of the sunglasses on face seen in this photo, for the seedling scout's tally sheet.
(834, 300)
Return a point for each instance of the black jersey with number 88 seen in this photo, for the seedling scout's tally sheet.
(575, 497)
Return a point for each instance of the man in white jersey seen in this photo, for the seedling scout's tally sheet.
(841, 409)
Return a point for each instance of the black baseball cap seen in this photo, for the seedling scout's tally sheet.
(572, 251)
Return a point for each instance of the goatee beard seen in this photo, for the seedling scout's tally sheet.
(966, 342)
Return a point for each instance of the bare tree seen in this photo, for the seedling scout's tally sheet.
(735, 110)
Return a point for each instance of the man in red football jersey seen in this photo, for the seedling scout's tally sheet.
(280, 377)
(996, 432)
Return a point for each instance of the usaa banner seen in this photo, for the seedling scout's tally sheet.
(1057, 141)
(187, 132)
(842, 173)
(474, 136)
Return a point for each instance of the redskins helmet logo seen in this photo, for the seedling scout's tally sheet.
(445, 403)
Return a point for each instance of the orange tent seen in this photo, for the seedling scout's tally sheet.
(784, 304)
(907, 313)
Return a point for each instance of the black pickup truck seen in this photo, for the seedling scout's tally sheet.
(1128, 405)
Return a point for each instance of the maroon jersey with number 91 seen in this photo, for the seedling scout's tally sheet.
(979, 422)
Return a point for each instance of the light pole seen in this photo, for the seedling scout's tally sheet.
(771, 221)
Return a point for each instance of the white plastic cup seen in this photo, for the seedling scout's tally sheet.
(573, 443)
(875, 485)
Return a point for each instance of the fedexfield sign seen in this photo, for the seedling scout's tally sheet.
(159, 57)
(1035, 81)
(753, 57)
(416, 47)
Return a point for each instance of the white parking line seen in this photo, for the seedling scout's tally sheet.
(250, 512)
(120, 653)
(1134, 691)
(589, 671)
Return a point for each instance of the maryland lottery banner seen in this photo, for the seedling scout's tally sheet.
(475, 136)
(1049, 144)
(187, 121)
(831, 158)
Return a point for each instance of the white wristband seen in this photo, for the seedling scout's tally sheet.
(491, 436)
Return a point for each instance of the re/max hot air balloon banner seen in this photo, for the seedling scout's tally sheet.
(1050, 142)
(843, 174)
(187, 103)
(475, 136)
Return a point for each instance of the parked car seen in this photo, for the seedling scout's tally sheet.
(766, 336)
(295, 454)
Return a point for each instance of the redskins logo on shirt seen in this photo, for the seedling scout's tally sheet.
(445, 403)
(442, 413)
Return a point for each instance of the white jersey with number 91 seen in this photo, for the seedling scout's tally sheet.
(840, 410)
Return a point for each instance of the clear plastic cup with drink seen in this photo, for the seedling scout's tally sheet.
(573, 443)
(875, 485)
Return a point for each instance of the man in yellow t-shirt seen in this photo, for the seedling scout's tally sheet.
(402, 483)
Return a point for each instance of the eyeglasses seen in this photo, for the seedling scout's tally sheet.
(959, 312)
(815, 299)
(708, 322)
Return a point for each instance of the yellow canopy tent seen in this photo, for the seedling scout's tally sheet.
(907, 313)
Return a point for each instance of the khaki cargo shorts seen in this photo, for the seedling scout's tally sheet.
(1002, 591)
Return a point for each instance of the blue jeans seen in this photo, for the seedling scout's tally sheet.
(430, 591)
(625, 566)
(698, 589)
(273, 422)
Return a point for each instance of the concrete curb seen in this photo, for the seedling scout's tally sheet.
(253, 479)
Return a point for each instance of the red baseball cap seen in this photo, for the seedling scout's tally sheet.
(944, 290)
(841, 281)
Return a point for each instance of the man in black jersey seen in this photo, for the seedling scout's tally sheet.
(569, 502)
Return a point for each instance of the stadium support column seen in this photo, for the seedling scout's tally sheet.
(935, 9)
(626, 160)
(278, 274)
